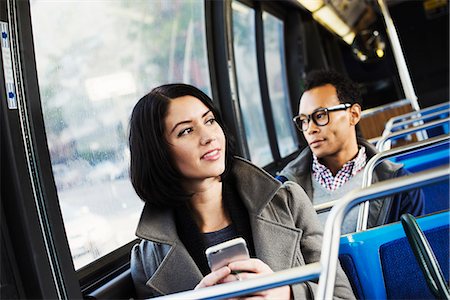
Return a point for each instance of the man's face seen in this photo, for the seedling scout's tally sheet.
(337, 137)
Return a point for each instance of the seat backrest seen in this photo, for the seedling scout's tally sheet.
(397, 259)
(380, 263)
(424, 159)
(436, 195)
(372, 120)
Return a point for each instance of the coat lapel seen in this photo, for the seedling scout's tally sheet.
(178, 271)
(275, 242)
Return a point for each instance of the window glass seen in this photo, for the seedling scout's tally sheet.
(277, 83)
(248, 84)
(95, 59)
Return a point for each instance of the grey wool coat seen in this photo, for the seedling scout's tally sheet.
(286, 233)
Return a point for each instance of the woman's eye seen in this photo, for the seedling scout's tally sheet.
(211, 121)
(185, 131)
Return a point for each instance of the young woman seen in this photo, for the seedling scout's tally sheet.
(197, 195)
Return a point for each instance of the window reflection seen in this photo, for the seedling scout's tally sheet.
(248, 84)
(95, 59)
(277, 83)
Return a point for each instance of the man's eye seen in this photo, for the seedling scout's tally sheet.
(303, 120)
(185, 131)
(320, 115)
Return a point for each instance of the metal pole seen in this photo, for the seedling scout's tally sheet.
(405, 77)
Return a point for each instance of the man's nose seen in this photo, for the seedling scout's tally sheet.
(312, 127)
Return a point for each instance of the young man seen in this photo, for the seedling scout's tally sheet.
(333, 163)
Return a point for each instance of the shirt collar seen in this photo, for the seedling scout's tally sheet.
(324, 176)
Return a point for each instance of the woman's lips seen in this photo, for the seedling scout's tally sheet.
(212, 155)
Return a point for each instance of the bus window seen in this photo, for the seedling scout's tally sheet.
(277, 84)
(94, 61)
(248, 84)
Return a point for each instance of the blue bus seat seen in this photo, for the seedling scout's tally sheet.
(396, 261)
(380, 263)
(436, 195)
(424, 159)
(281, 178)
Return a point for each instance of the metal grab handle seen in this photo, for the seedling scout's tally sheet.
(239, 288)
(332, 233)
(419, 119)
(382, 141)
(427, 110)
(379, 157)
(425, 257)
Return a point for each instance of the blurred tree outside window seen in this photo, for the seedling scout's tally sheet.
(248, 84)
(277, 83)
(95, 60)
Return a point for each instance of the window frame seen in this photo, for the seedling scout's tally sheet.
(282, 13)
(45, 265)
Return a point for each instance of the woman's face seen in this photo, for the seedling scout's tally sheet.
(196, 141)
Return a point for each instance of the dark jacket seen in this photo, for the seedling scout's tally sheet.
(286, 233)
(382, 211)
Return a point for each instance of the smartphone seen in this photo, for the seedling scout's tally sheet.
(224, 253)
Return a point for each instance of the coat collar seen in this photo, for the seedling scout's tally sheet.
(263, 185)
(275, 242)
(299, 170)
(158, 224)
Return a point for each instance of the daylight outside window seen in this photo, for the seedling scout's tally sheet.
(277, 83)
(248, 84)
(90, 74)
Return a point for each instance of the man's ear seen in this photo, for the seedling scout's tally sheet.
(355, 114)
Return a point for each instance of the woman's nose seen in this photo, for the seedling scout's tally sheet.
(207, 137)
(206, 140)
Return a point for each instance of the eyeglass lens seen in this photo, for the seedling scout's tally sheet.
(320, 118)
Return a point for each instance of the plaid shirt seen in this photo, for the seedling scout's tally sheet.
(324, 176)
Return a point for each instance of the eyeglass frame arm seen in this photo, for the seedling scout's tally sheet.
(342, 106)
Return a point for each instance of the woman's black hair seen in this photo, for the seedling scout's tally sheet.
(346, 90)
(153, 174)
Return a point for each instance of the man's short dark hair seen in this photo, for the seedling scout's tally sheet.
(153, 173)
(347, 90)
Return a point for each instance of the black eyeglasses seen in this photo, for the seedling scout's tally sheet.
(319, 116)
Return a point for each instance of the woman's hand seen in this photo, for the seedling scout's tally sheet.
(215, 277)
(253, 268)
(246, 269)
